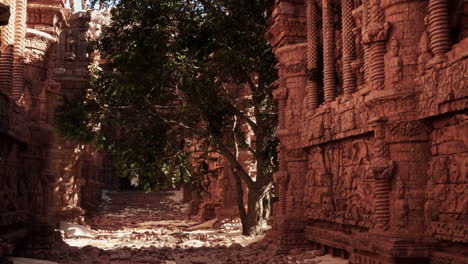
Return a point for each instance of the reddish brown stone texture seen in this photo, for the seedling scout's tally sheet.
(379, 177)
(220, 199)
(43, 179)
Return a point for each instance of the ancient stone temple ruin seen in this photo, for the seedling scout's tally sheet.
(43, 178)
(373, 127)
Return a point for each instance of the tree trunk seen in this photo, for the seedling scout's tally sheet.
(258, 211)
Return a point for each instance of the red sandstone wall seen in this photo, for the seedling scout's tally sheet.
(43, 179)
(381, 145)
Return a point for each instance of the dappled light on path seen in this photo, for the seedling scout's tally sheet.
(136, 227)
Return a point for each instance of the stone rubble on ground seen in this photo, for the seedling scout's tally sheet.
(146, 228)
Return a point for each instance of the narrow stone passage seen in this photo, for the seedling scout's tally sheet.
(137, 227)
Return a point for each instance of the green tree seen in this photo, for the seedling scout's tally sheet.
(173, 76)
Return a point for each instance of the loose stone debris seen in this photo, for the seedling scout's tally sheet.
(152, 228)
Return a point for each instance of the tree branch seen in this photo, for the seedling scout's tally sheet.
(234, 163)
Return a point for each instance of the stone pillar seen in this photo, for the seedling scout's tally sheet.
(349, 81)
(376, 35)
(18, 50)
(6, 70)
(382, 168)
(312, 55)
(365, 46)
(329, 73)
(6, 58)
(280, 96)
(439, 30)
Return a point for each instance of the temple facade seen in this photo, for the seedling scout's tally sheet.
(372, 101)
(373, 125)
(44, 179)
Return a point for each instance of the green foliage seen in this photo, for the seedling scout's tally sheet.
(174, 75)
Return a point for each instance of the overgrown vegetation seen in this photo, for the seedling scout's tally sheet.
(174, 76)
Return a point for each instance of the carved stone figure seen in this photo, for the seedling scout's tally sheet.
(401, 207)
(396, 64)
(425, 51)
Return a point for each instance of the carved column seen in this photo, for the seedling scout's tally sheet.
(312, 55)
(376, 36)
(349, 81)
(329, 72)
(382, 170)
(6, 58)
(280, 96)
(365, 46)
(439, 29)
(18, 56)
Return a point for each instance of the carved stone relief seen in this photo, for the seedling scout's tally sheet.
(338, 188)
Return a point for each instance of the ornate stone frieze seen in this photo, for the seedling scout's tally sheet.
(444, 85)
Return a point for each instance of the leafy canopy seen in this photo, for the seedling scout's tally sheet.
(173, 77)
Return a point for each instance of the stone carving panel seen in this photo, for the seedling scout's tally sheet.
(443, 85)
(447, 188)
(339, 188)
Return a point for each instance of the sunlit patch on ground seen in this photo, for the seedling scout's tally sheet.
(134, 227)
(149, 223)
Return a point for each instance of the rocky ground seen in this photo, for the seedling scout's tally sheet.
(135, 227)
